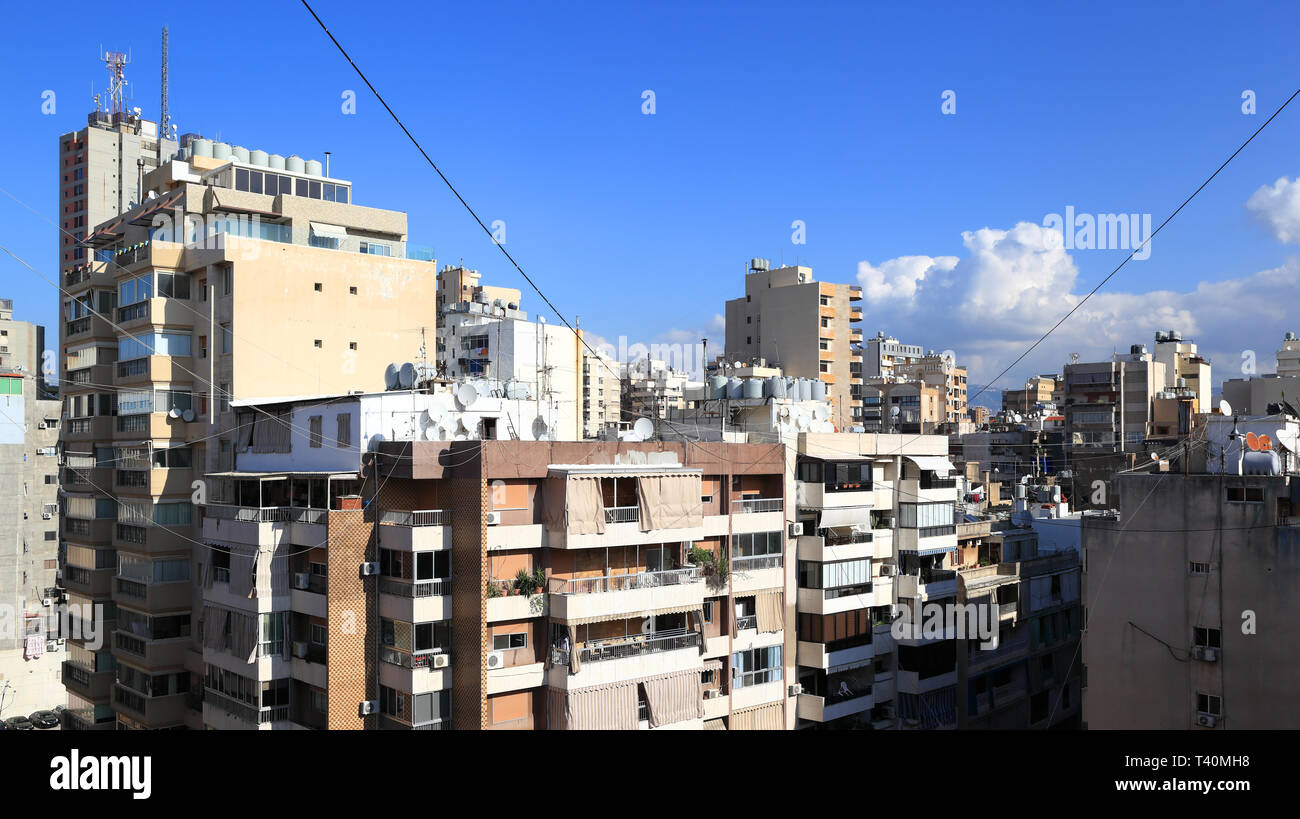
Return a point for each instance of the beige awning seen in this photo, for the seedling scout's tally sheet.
(714, 725)
(329, 231)
(931, 463)
(670, 501)
(675, 698)
(770, 717)
(605, 618)
(769, 607)
(713, 665)
(846, 516)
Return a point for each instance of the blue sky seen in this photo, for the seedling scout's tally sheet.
(827, 113)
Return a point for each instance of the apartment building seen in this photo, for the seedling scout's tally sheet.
(651, 388)
(1288, 358)
(942, 373)
(902, 404)
(1190, 589)
(882, 355)
(806, 327)
(241, 275)
(521, 358)
(31, 649)
(1259, 395)
(402, 583)
(1108, 405)
(601, 392)
(458, 286)
(101, 170)
(1039, 389)
(1185, 369)
(877, 515)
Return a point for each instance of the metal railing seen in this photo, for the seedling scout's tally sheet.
(760, 505)
(131, 588)
(422, 517)
(132, 534)
(845, 540)
(749, 622)
(755, 563)
(423, 588)
(622, 647)
(255, 514)
(622, 514)
(133, 311)
(129, 643)
(625, 582)
(80, 325)
(136, 366)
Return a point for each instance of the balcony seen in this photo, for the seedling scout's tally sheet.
(619, 648)
(96, 583)
(92, 685)
(629, 594)
(156, 712)
(152, 540)
(415, 602)
(153, 654)
(622, 514)
(826, 709)
(417, 530)
(929, 584)
(220, 711)
(753, 505)
(755, 572)
(515, 606)
(257, 524)
(154, 597)
(95, 428)
(163, 368)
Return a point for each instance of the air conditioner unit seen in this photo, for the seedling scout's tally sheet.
(795, 689)
(492, 518)
(51, 645)
(712, 693)
(367, 707)
(301, 580)
(796, 529)
(1205, 653)
(300, 650)
(46, 515)
(1206, 720)
(61, 640)
(496, 659)
(47, 601)
(368, 569)
(441, 660)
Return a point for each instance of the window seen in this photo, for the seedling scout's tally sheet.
(1198, 568)
(173, 285)
(1208, 637)
(755, 667)
(391, 702)
(1245, 494)
(352, 291)
(227, 340)
(838, 579)
(376, 249)
(319, 701)
(434, 637)
(709, 608)
(930, 519)
(344, 435)
(228, 279)
(313, 424)
(317, 634)
(352, 345)
(1209, 704)
(502, 642)
(317, 343)
(319, 288)
(223, 403)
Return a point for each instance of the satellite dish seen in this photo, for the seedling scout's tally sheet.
(648, 625)
(174, 412)
(188, 415)
(1252, 441)
(1286, 438)
(406, 376)
(1265, 442)
(390, 376)
(1155, 456)
(1225, 408)
(540, 428)
(466, 395)
(821, 412)
(801, 422)
(376, 439)
(894, 411)
(431, 433)
(644, 427)
(784, 412)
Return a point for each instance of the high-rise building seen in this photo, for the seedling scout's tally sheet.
(1191, 588)
(805, 327)
(1038, 389)
(31, 648)
(1108, 404)
(1288, 358)
(881, 354)
(276, 284)
(651, 388)
(1185, 369)
(601, 393)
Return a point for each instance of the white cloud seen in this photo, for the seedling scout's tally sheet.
(1012, 285)
(1277, 208)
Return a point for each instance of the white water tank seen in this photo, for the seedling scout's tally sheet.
(293, 164)
(735, 388)
(275, 161)
(753, 388)
(257, 157)
(312, 166)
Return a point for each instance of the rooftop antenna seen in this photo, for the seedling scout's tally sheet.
(327, 164)
(116, 62)
(165, 119)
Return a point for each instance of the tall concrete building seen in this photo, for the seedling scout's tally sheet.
(29, 528)
(601, 392)
(1288, 358)
(1190, 589)
(1185, 369)
(806, 327)
(1108, 404)
(1038, 389)
(1254, 395)
(241, 275)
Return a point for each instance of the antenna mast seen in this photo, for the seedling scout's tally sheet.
(116, 62)
(165, 119)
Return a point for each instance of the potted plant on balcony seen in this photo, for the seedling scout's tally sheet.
(716, 567)
(526, 583)
(491, 590)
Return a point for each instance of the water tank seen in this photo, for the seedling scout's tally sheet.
(275, 161)
(312, 167)
(293, 164)
(221, 150)
(202, 147)
(753, 388)
(718, 386)
(1261, 463)
(818, 390)
(776, 387)
(257, 157)
(805, 389)
(735, 388)
(240, 153)
(1290, 336)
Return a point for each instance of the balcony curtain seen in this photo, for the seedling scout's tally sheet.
(243, 636)
(675, 698)
(846, 516)
(714, 725)
(271, 434)
(770, 717)
(241, 572)
(216, 622)
(769, 606)
(697, 616)
(603, 708)
(553, 500)
(273, 572)
(585, 506)
(575, 651)
(669, 502)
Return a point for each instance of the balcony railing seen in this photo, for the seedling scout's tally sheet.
(760, 505)
(136, 366)
(937, 483)
(258, 514)
(133, 311)
(937, 575)
(131, 588)
(846, 540)
(132, 534)
(422, 517)
(624, 582)
(423, 588)
(747, 622)
(129, 643)
(80, 325)
(755, 563)
(622, 514)
(619, 648)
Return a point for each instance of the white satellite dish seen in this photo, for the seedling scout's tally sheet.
(406, 376)
(188, 415)
(431, 433)
(821, 412)
(1225, 408)
(390, 376)
(784, 412)
(540, 428)
(466, 395)
(644, 427)
(894, 411)
(1287, 437)
(801, 422)
(174, 412)
(376, 439)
